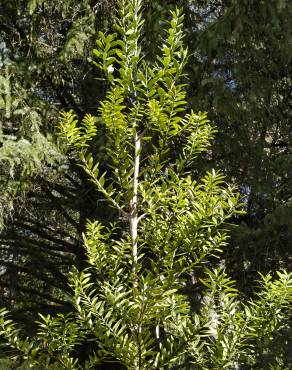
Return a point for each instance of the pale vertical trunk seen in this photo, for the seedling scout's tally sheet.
(134, 217)
(134, 202)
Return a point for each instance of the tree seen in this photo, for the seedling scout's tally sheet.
(42, 44)
(240, 75)
(150, 297)
(238, 72)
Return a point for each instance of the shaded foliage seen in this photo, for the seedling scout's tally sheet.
(42, 46)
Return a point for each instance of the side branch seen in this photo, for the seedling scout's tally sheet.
(103, 190)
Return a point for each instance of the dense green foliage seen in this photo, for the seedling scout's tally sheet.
(153, 295)
(239, 71)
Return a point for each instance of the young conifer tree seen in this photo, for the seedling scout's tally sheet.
(147, 299)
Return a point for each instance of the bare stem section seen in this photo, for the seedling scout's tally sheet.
(134, 202)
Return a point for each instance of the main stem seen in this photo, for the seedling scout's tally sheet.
(134, 202)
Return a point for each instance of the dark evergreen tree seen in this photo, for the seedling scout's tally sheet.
(43, 45)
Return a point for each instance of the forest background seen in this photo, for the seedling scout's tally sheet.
(239, 72)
